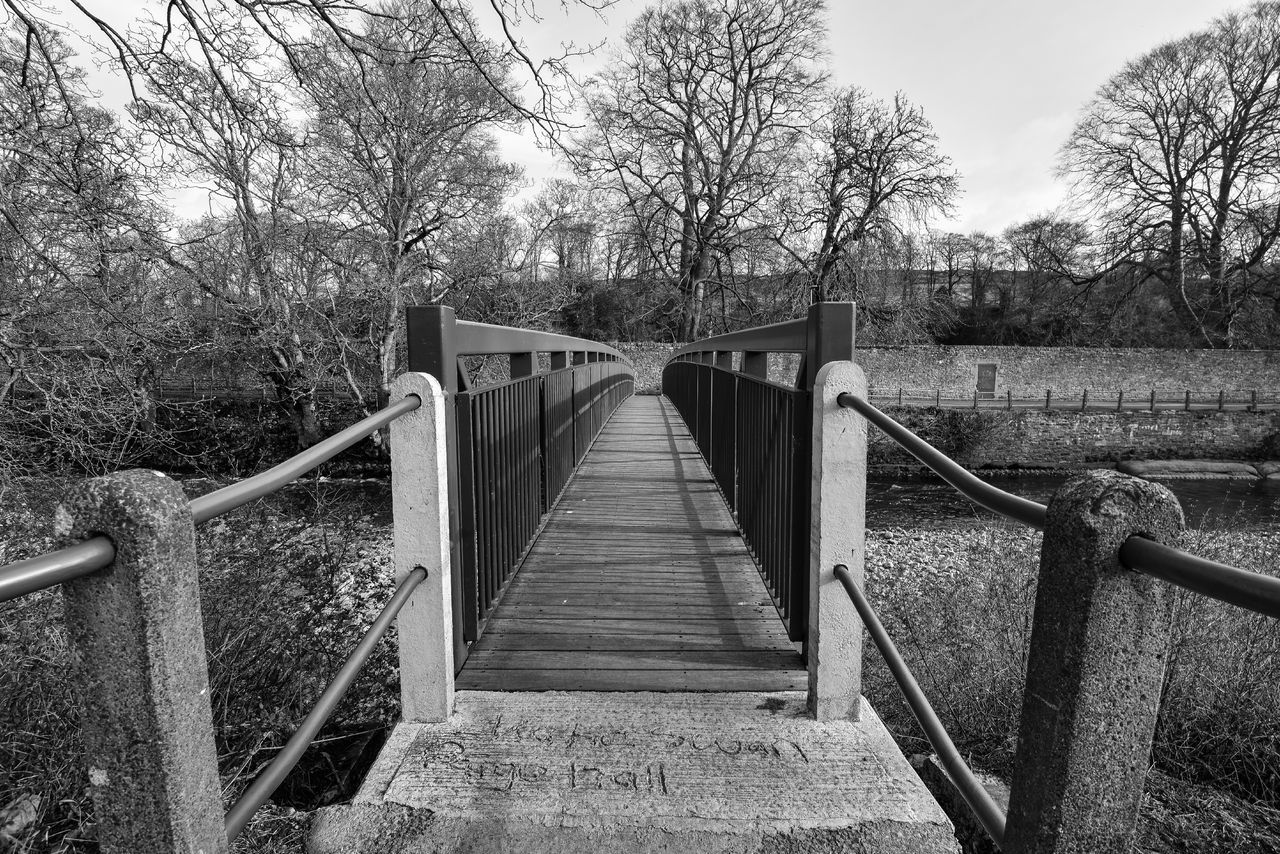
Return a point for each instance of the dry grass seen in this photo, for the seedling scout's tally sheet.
(287, 588)
(959, 604)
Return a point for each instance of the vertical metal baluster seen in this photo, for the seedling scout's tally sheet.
(495, 487)
(468, 479)
(511, 484)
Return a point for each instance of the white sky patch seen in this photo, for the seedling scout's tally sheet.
(1001, 80)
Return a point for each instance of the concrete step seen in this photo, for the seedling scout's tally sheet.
(557, 772)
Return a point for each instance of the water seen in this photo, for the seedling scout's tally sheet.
(1236, 503)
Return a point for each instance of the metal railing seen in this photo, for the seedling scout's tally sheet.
(1249, 590)
(755, 436)
(1254, 591)
(99, 552)
(1082, 400)
(521, 440)
(37, 573)
(513, 444)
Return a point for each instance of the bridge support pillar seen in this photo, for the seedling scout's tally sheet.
(420, 507)
(837, 533)
(1099, 645)
(138, 647)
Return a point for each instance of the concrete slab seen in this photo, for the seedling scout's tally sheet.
(560, 772)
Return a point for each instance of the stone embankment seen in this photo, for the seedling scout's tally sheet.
(1064, 440)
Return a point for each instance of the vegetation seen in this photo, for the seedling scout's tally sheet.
(287, 586)
(349, 156)
(958, 603)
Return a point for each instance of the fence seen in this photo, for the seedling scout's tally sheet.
(512, 444)
(136, 629)
(1116, 400)
(754, 435)
(1101, 618)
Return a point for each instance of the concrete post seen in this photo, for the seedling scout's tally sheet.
(420, 507)
(431, 333)
(1099, 645)
(139, 659)
(837, 534)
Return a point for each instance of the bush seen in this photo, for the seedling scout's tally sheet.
(968, 436)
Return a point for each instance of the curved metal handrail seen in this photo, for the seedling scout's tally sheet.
(1251, 590)
(278, 769)
(81, 559)
(969, 485)
(973, 792)
(37, 573)
(484, 339)
(790, 336)
(216, 503)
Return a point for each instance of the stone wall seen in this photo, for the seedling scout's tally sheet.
(1028, 371)
(1067, 439)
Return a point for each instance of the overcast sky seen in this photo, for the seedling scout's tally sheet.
(1001, 80)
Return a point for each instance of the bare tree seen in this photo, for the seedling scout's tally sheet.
(694, 120)
(84, 322)
(400, 148)
(1178, 158)
(875, 168)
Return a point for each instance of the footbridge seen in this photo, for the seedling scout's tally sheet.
(631, 623)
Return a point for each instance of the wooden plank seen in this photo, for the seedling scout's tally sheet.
(647, 641)
(634, 659)
(632, 680)
(749, 628)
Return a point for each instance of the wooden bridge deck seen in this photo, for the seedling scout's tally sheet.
(639, 581)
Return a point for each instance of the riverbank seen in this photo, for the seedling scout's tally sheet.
(289, 583)
(958, 603)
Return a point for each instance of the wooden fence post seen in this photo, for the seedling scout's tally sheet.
(837, 536)
(138, 650)
(1099, 645)
(420, 509)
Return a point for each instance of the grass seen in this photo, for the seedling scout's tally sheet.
(959, 604)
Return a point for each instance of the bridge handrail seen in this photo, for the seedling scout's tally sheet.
(1251, 590)
(270, 778)
(978, 491)
(790, 336)
(975, 795)
(488, 339)
(84, 558)
(32, 574)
